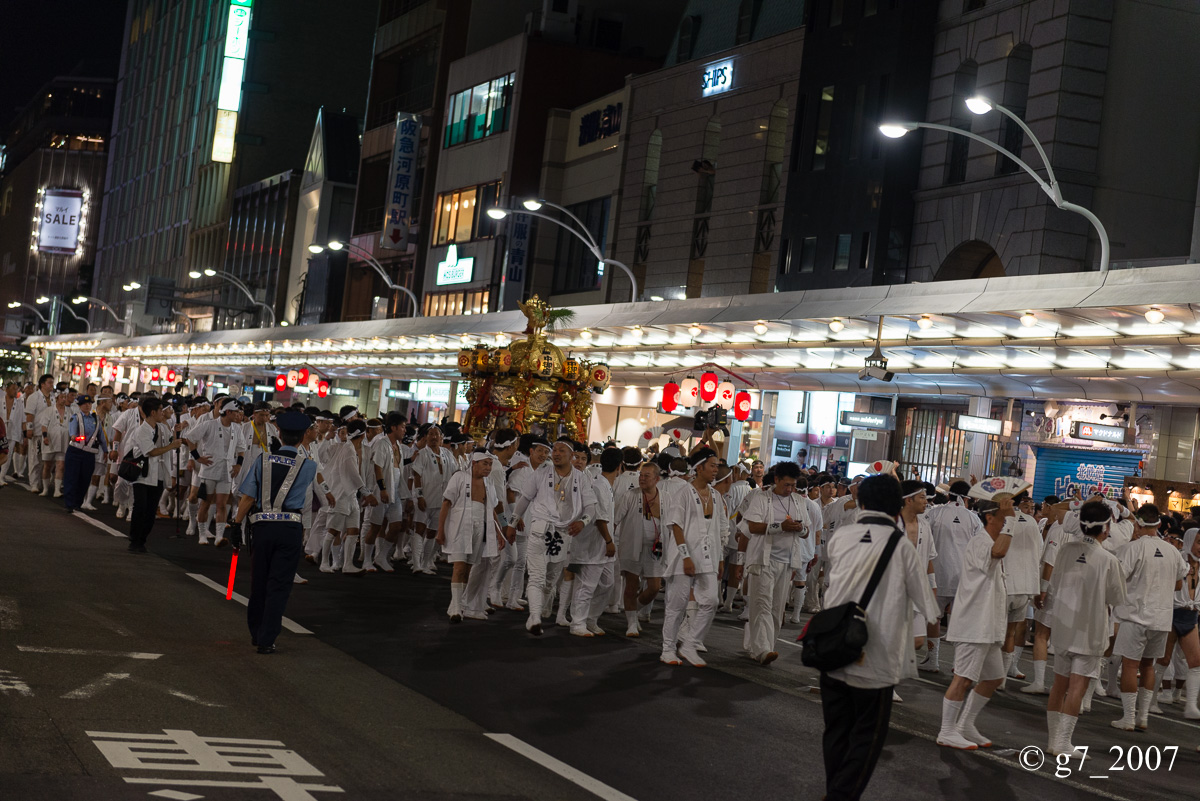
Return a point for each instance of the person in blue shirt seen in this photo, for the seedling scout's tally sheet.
(277, 494)
(84, 442)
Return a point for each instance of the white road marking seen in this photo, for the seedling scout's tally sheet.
(10, 615)
(93, 687)
(288, 623)
(29, 649)
(176, 795)
(10, 682)
(593, 786)
(107, 529)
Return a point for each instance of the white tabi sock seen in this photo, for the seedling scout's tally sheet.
(91, 494)
(348, 546)
(1129, 707)
(368, 554)
(326, 551)
(456, 593)
(950, 712)
(220, 530)
(1039, 673)
(1191, 689)
(973, 705)
(1141, 717)
(1114, 677)
(1086, 704)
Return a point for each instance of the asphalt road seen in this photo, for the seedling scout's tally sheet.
(388, 700)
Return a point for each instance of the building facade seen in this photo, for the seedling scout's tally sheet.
(50, 191)
(706, 168)
(213, 95)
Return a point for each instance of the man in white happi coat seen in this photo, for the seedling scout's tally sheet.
(594, 552)
(953, 525)
(480, 582)
(1052, 538)
(1153, 572)
(468, 529)
(562, 505)
(1021, 581)
(695, 521)
(1086, 580)
(432, 467)
(779, 525)
(916, 527)
(532, 453)
(640, 536)
(979, 622)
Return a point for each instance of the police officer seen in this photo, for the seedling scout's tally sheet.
(276, 485)
(83, 445)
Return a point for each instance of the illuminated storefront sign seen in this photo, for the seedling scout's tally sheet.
(455, 270)
(980, 425)
(881, 422)
(233, 70)
(61, 221)
(717, 78)
(1098, 433)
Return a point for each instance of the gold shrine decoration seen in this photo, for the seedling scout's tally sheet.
(531, 384)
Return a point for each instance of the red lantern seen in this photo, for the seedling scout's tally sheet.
(153, 372)
(322, 389)
(280, 382)
(670, 390)
(77, 371)
(302, 376)
(103, 361)
(88, 367)
(708, 386)
(171, 376)
(741, 406)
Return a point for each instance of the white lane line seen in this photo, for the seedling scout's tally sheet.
(103, 527)
(288, 623)
(10, 682)
(30, 649)
(93, 687)
(593, 786)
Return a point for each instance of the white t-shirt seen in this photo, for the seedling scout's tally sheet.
(853, 554)
(953, 525)
(1085, 583)
(142, 442)
(1055, 539)
(215, 441)
(980, 602)
(1022, 563)
(1151, 568)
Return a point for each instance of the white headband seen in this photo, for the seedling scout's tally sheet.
(916, 492)
(502, 445)
(1149, 523)
(350, 414)
(357, 434)
(671, 471)
(480, 456)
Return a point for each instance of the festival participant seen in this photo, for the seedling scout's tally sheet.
(977, 627)
(213, 444)
(779, 525)
(1052, 511)
(695, 520)
(915, 525)
(1154, 571)
(739, 488)
(1184, 639)
(1021, 583)
(52, 427)
(12, 414)
(580, 459)
(35, 403)
(432, 467)
(340, 466)
(483, 580)
(378, 459)
(638, 521)
(562, 505)
(594, 551)
(1086, 581)
(467, 528)
(953, 526)
(532, 453)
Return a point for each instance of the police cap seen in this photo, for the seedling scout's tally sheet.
(293, 422)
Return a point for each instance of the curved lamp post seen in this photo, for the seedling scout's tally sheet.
(97, 302)
(365, 255)
(16, 304)
(532, 206)
(981, 105)
(236, 282)
(53, 299)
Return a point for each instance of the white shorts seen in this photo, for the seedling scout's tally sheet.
(343, 518)
(647, 566)
(943, 601)
(978, 661)
(1018, 607)
(1135, 641)
(1067, 663)
(374, 514)
(919, 624)
(216, 486)
(1043, 615)
(395, 512)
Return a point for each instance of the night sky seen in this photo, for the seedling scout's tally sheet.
(43, 40)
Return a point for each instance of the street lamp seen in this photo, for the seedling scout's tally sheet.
(101, 304)
(981, 105)
(531, 206)
(337, 244)
(131, 286)
(16, 304)
(237, 283)
(55, 299)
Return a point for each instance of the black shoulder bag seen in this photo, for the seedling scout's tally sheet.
(836, 637)
(133, 467)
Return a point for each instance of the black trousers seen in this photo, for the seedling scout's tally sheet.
(856, 727)
(277, 550)
(145, 508)
(78, 466)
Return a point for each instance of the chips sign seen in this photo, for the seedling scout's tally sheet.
(1098, 433)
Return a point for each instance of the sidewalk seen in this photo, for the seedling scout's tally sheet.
(96, 643)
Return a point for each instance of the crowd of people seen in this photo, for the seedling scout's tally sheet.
(566, 532)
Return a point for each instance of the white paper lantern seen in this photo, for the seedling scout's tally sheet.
(689, 390)
(292, 378)
(725, 394)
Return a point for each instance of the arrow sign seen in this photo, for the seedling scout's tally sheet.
(394, 235)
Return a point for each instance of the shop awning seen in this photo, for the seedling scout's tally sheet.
(1088, 338)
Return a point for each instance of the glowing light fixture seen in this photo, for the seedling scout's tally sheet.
(836, 325)
(1154, 315)
(1029, 319)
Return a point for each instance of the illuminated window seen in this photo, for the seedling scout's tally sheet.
(461, 214)
(479, 111)
(449, 304)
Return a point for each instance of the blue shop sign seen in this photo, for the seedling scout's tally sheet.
(1060, 470)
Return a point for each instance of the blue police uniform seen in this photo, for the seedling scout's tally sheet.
(277, 533)
(85, 440)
